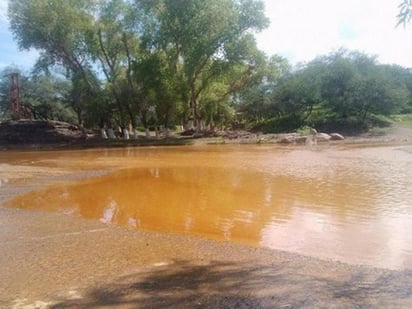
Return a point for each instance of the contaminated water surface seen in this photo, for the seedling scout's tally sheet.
(352, 204)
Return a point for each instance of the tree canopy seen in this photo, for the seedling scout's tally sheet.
(191, 63)
(164, 55)
(343, 90)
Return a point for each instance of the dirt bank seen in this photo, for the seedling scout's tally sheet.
(28, 132)
(50, 260)
(48, 135)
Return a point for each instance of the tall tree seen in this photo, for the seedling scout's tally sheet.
(255, 103)
(58, 29)
(207, 38)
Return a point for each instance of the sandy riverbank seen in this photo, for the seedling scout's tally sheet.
(57, 261)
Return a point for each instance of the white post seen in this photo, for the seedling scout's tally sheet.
(111, 133)
(166, 132)
(103, 133)
(126, 134)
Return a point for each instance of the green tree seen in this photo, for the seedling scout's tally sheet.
(116, 47)
(343, 90)
(255, 103)
(45, 96)
(354, 85)
(58, 29)
(206, 38)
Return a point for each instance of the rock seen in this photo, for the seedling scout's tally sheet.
(336, 137)
(323, 137)
(189, 132)
(300, 139)
(313, 131)
(232, 135)
(287, 140)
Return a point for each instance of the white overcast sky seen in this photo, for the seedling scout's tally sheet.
(303, 29)
(300, 30)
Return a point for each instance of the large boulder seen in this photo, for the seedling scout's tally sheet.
(300, 139)
(323, 137)
(336, 137)
(287, 140)
(292, 138)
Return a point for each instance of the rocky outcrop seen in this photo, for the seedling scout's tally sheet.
(323, 137)
(294, 138)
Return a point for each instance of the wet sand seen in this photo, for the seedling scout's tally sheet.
(58, 261)
(51, 260)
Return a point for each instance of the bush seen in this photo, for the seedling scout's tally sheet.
(279, 125)
(407, 109)
(350, 125)
(379, 121)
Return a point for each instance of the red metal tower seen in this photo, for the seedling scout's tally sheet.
(15, 96)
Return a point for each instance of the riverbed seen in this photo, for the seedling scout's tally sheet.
(340, 203)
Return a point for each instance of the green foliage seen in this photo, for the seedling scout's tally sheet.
(347, 91)
(403, 120)
(166, 56)
(58, 29)
(46, 96)
(288, 123)
(171, 62)
(255, 102)
(209, 41)
(159, 89)
(380, 121)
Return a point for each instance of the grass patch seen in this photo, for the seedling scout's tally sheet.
(403, 120)
(376, 131)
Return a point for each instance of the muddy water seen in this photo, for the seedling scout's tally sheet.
(349, 204)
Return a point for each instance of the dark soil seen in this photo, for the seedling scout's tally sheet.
(29, 135)
(39, 132)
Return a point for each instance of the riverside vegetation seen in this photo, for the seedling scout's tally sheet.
(192, 65)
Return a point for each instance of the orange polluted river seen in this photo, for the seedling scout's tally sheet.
(352, 204)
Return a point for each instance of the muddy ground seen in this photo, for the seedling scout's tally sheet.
(55, 261)
(49, 135)
(51, 260)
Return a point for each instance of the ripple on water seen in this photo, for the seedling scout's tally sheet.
(351, 205)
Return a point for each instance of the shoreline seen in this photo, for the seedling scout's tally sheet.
(88, 264)
(165, 142)
(391, 135)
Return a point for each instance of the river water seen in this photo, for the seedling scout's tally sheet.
(347, 203)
